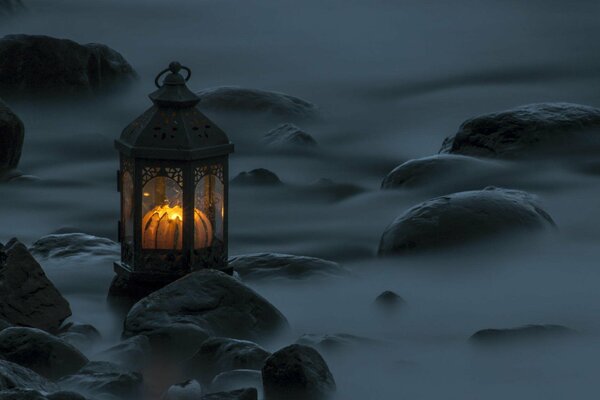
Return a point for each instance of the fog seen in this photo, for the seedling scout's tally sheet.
(392, 79)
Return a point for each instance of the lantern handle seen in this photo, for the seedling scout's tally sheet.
(174, 68)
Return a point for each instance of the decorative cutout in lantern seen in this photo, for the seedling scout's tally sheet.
(174, 186)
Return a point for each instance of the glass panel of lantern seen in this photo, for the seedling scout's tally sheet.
(162, 214)
(209, 211)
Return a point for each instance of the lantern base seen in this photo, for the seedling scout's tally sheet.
(152, 278)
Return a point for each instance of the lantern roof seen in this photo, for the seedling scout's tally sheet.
(174, 127)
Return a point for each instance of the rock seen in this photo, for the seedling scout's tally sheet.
(101, 378)
(177, 340)
(237, 379)
(332, 191)
(289, 137)
(41, 352)
(81, 336)
(463, 217)
(74, 244)
(4, 324)
(190, 390)
(255, 267)
(231, 98)
(10, 7)
(131, 353)
(528, 333)
(334, 343)
(65, 395)
(42, 65)
(211, 300)
(124, 293)
(389, 300)
(242, 394)
(257, 177)
(27, 297)
(12, 134)
(531, 131)
(28, 394)
(297, 372)
(13, 376)
(219, 354)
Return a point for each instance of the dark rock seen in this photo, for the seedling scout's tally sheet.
(177, 341)
(237, 379)
(529, 131)
(334, 343)
(297, 372)
(28, 394)
(74, 244)
(211, 300)
(124, 293)
(218, 355)
(102, 378)
(65, 395)
(242, 394)
(463, 217)
(254, 267)
(528, 333)
(190, 390)
(288, 137)
(14, 376)
(389, 300)
(230, 98)
(42, 65)
(12, 134)
(10, 7)
(41, 352)
(81, 336)
(332, 191)
(131, 353)
(27, 297)
(4, 324)
(257, 177)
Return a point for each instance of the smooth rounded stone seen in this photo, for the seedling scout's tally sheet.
(124, 293)
(132, 353)
(463, 217)
(27, 297)
(528, 333)
(104, 378)
(190, 390)
(335, 343)
(289, 137)
(220, 354)
(74, 244)
(530, 131)
(237, 99)
(389, 301)
(28, 394)
(81, 336)
(241, 394)
(261, 266)
(12, 135)
(237, 379)
(41, 352)
(14, 376)
(11, 7)
(257, 177)
(297, 372)
(211, 300)
(43, 65)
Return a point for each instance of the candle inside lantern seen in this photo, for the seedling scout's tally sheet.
(163, 228)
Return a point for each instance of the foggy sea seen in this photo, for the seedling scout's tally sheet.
(391, 79)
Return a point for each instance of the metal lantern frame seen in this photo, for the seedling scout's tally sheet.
(172, 140)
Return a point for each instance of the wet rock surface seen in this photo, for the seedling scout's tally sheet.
(41, 352)
(257, 177)
(297, 372)
(529, 131)
(14, 376)
(231, 98)
(218, 355)
(43, 65)
(12, 135)
(104, 378)
(289, 137)
(211, 300)
(27, 297)
(463, 217)
(236, 380)
(522, 334)
(74, 244)
(266, 266)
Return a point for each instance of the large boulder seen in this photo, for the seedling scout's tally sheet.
(43, 65)
(463, 217)
(12, 134)
(297, 372)
(529, 131)
(27, 297)
(527, 334)
(218, 355)
(289, 137)
(231, 98)
(103, 378)
(211, 300)
(257, 177)
(41, 352)
(14, 376)
(74, 244)
(261, 266)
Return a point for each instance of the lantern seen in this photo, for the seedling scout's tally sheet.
(173, 181)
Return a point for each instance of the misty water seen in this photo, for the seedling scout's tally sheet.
(392, 79)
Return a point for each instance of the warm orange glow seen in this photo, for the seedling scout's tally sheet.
(162, 228)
